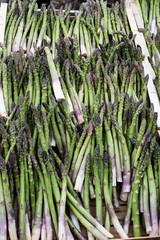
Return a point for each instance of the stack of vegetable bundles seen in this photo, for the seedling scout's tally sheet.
(76, 125)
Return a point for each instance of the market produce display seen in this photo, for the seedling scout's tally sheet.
(78, 126)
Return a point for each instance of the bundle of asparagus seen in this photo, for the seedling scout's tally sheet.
(151, 16)
(97, 111)
(26, 26)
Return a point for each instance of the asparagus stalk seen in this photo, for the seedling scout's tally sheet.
(54, 75)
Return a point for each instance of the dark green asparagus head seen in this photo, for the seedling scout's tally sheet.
(2, 164)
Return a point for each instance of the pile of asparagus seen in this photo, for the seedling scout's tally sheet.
(96, 111)
(75, 125)
(26, 26)
(151, 16)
